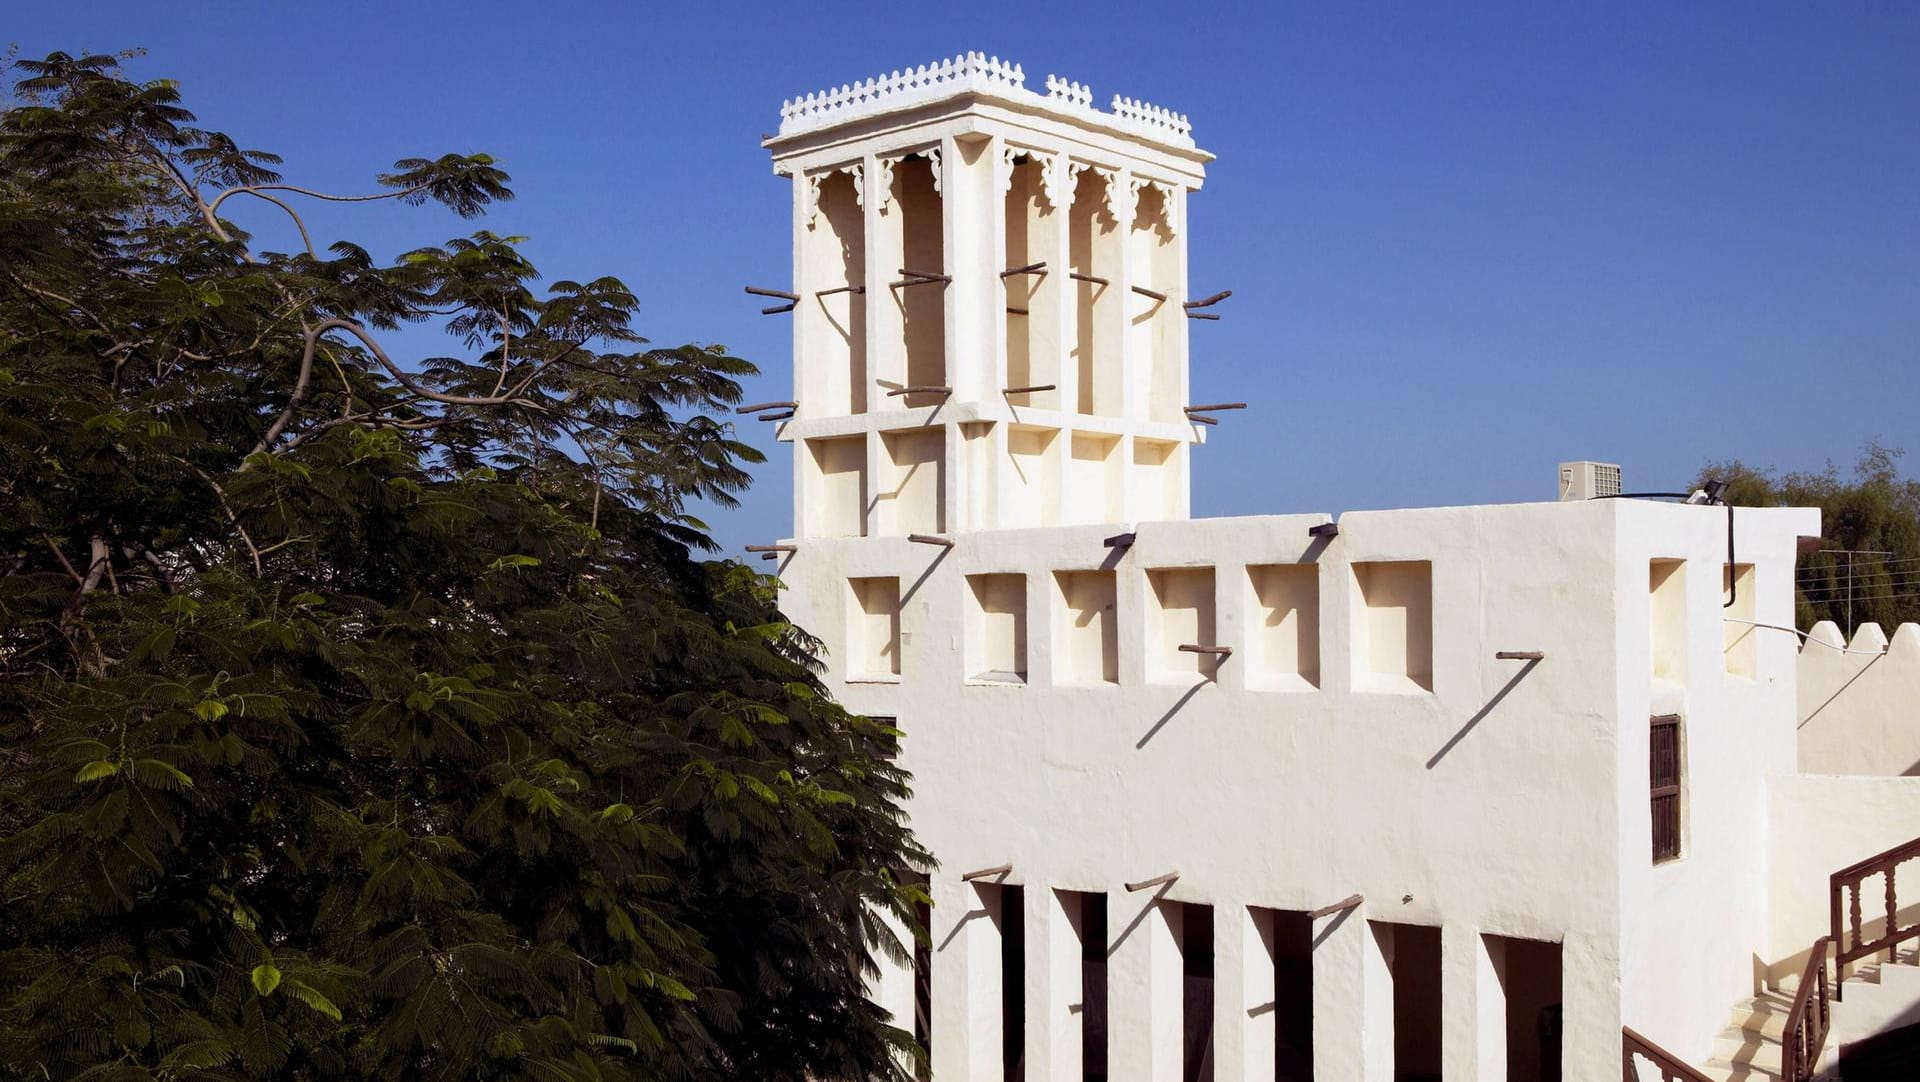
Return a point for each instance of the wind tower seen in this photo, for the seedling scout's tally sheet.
(990, 304)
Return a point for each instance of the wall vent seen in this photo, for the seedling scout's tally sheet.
(1588, 480)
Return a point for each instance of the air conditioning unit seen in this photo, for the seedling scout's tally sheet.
(1588, 480)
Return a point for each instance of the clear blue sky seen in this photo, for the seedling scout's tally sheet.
(1465, 241)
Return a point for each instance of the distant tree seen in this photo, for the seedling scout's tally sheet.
(1875, 515)
(369, 719)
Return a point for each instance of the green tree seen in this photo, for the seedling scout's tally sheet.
(378, 719)
(1875, 515)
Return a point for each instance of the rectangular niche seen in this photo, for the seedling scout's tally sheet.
(833, 315)
(1283, 627)
(1180, 613)
(1157, 328)
(1393, 626)
(913, 496)
(1086, 642)
(1032, 494)
(1738, 648)
(1093, 479)
(836, 497)
(873, 629)
(1667, 618)
(996, 628)
(1032, 299)
(1157, 476)
(913, 315)
(1093, 260)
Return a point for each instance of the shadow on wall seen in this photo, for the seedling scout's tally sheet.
(1856, 710)
(1504, 691)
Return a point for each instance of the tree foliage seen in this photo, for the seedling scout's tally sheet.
(1875, 515)
(376, 719)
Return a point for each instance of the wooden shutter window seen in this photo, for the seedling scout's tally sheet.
(1664, 766)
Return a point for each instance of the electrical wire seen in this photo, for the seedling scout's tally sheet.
(1803, 635)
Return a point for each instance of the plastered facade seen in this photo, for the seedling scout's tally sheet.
(1257, 715)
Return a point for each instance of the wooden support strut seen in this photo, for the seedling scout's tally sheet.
(1031, 268)
(762, 407)
(1201, 315)
(1119, 540)
(791, 299)
(1163, 877)
(1348, 902)
(783, 415)
(1208, 302)
(1520, 655)
(773, 548)
(1200, 420)
(994, 872)
(930, 539)
(839, 289)
(897, 392)
(1078, 277)
(1145, 292)
(1221, 652)
(1029, 390)
(1325, 529)
(919, 278)
(1214, 407)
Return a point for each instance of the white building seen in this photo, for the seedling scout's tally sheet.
(1255, 798)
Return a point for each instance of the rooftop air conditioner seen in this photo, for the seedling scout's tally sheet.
(1588, 480)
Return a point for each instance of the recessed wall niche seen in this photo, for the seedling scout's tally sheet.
(912, 316)
(1667, 618)
(1180, 613)
(1032, 297)
(1156, 325)
(912, 496)
(833, 351)
(1086, 636)
(1393, 626)
(1093, 261)
(1738, 648)
(836, 487)
(1283, 627)
(996, 628)
(1032, 493)
(1093, 479)
(1157, 474)
(873, 629)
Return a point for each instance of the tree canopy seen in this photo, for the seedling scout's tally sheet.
(376, 717)
(1868, 568)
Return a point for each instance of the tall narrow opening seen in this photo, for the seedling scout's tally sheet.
(1279, 995)
(1086, 637)
(923, 987)
(1158, 476)
(920, 300)
(912, 499)
(1094, 264)
(1736, 584)
(1283, 632)
(1032, 494)
(1079, 1017)
(1406, 957)
(1032, 296)
(1010, 915)
(1393, 626)
(873, 629)
(1196, 992)
(1180, 625)
(1156, 321)
(1526, 991)
(996, 628)
(1667, 618)
(1093, 490)
(836, 487)
(833, 354)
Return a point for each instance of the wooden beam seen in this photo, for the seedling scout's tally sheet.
(772, 548)
(1029, 390)
(1521, 655)
(897, 392)
(930, 539)
(1325, 529)
(1031, 268)
(1348, 902)
(994, 872)
(839, 289)
(1078, 277)
(1163, 877)
(1201, 315)
(760, 407)
(783, 415)
(1222, 652)
(1119, 540)
(1214, 407)
(1208, 302)
(780, 293)
(1145, 292)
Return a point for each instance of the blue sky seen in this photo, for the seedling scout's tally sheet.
(1465, 241)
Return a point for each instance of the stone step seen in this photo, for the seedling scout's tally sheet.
(1727, 1072)
(1745, 1048)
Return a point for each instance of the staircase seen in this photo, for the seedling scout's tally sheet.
(1751, 1048)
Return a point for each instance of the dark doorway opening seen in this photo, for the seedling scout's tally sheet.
(1013, 982)
(1529, 972)
(1196, 965)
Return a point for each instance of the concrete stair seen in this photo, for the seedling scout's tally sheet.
(1750, 1048)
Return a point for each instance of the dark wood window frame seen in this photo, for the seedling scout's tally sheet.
(1666, 776)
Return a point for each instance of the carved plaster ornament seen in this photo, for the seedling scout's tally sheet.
(883, 181)
(1119, 197)
(1009, 156)
(1169, 202)
(810, 195)
(1071, 188)
(1057, 176)
(933, 160)
(858, 172)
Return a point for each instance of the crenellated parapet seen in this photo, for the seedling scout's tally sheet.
(1858, 712)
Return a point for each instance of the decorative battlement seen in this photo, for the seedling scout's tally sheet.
(977, 72)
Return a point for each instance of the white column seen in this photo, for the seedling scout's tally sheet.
(1376, 993)
(1485, 1016)
(1251, 1056)
(1341, 943)
(1054, 1002)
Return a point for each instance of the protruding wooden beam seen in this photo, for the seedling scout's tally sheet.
(1119, 540)
(1520, 655)
(839, 289)
(930, 539)
(1214, 407)
(1325, 529)
(898, 391)
(762, 407)
(1078, 277)
(1163, 877)
(1348, 902)
(1017, 311)
(994, 872)
(1029, 390)
(1145, 292)
(783, 415)
(1208, 302)
(1201, 315)
(1221, 652)
(791, 299)
(1202, 419)
(1031, 268)
(772, 548)
(911, 277)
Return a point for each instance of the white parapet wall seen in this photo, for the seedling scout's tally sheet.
(1860, 701)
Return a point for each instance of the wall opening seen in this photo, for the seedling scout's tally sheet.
(1278, 996)
(919, 304)
(1080, 976)
(1032, 495)
(1666, 775)
(1667, 607)
(1093, 258)
(1406, 957)
(923, 986)
(1393, 626)
(836, 497)
(1283, 633)
(1032, 299)
(1086, 635)
(1736, 583)
(1196, 992)
(1180, 613)
(1157, 474)
(1093, 479)
(1527, 983)
(912, 499)
(833, 375)
(1010, 914)
(1157, 325)
(996, 628)
(873, 629)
